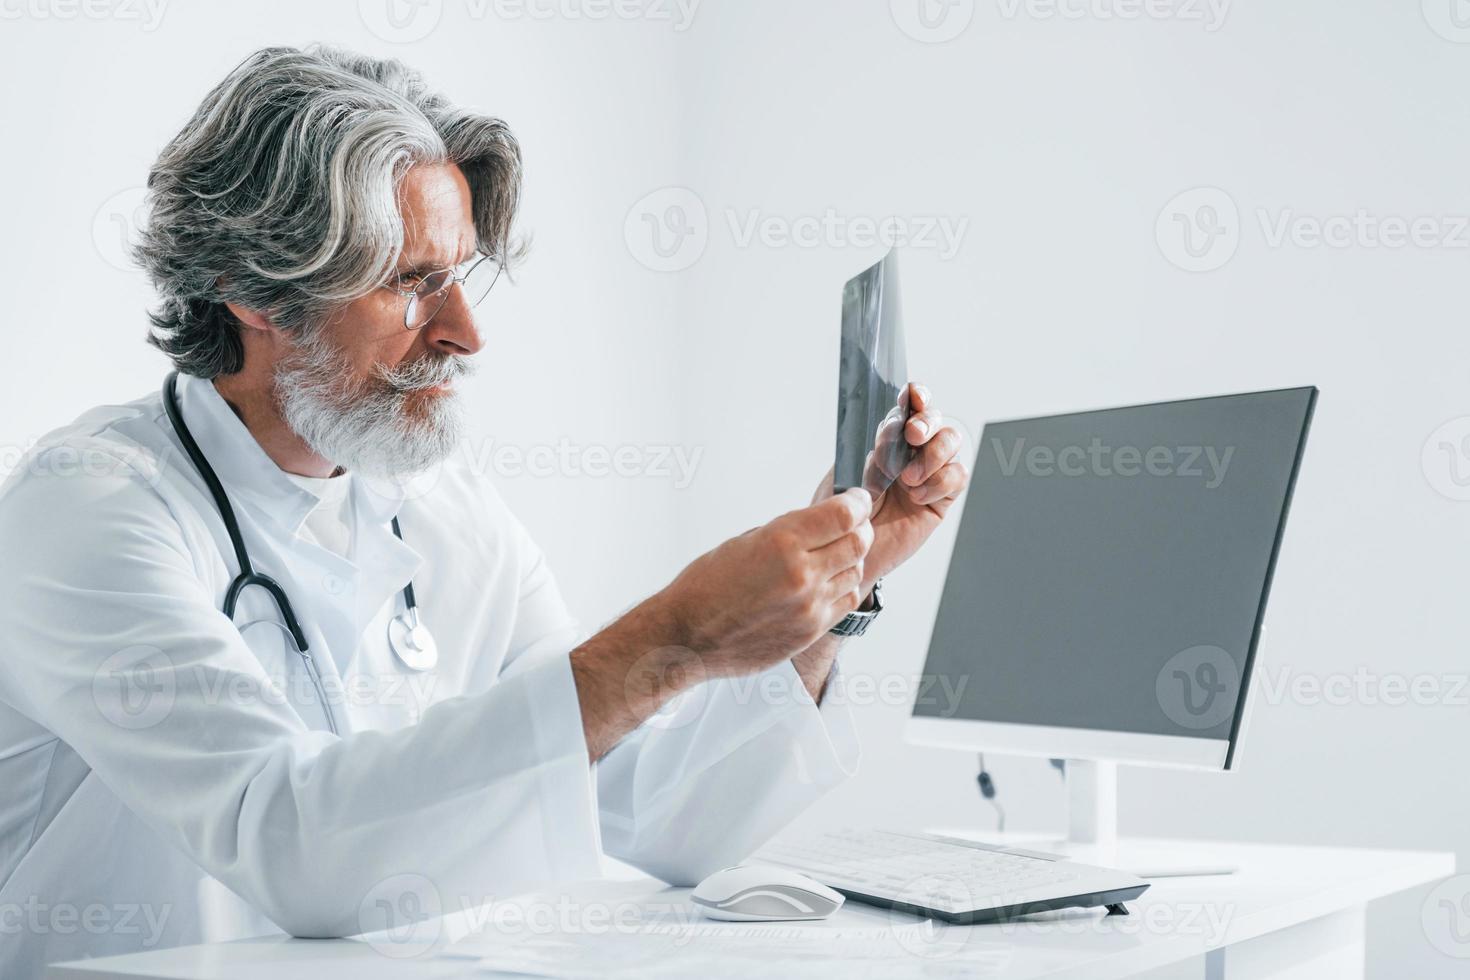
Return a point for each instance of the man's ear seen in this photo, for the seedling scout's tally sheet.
(254, 319)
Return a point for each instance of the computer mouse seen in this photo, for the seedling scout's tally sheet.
(763, 892)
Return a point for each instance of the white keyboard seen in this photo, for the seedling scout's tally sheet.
(948, 878)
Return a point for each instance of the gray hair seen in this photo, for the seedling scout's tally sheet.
(281, 194)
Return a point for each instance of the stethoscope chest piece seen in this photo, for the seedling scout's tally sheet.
(411, 643)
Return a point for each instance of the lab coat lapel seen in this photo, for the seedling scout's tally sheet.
(341, 596)
(250, 477)
(385, 564)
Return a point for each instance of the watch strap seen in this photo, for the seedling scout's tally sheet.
(856, 623)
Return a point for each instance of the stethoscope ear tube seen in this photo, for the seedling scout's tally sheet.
(277, 593)
(201, 463)
(248, 575)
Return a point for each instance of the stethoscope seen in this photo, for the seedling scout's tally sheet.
(408, 638)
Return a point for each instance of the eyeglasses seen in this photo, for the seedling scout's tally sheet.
(428, 296)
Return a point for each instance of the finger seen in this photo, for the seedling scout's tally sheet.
(948, 482)
(888, 454)
(845, 603)
(846, 552)
(918, 429)
(843, 584)
(919, 397)
(829, 520)
(932, 456)
(875, 478)
(887, 435)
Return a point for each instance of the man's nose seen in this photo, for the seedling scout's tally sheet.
(452, 331)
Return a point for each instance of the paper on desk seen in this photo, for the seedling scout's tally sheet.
(713, 951)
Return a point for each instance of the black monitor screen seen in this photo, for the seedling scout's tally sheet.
(1111, 568)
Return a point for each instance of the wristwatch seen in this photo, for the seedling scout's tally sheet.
(856, 623)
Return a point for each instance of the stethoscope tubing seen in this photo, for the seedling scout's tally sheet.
(248, 576)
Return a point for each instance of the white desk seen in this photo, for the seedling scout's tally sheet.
(1290, 912)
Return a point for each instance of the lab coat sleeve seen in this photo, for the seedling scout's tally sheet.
(715, 774)
(113, 642)
(721, 770)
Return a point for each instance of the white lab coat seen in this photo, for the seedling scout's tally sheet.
(167, 778)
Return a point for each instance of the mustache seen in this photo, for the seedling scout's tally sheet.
(427, 372)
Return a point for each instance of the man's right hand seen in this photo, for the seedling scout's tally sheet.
(766, 595)
(758, 599)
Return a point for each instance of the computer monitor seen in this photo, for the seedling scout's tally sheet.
(1109, 578)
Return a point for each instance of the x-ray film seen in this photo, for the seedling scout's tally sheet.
(872, 384)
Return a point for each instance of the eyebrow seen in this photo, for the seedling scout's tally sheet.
(435, 264)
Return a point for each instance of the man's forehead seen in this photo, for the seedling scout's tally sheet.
(438, 220)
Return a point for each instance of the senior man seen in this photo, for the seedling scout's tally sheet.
(260, 672)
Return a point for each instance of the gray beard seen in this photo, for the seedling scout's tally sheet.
(365, 425)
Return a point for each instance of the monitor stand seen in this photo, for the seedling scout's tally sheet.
(1092, 831)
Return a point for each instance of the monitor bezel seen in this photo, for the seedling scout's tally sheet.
(1141, 748)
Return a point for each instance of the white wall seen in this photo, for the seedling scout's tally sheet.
(578, 350)
(1056, 142)
(1060, 141)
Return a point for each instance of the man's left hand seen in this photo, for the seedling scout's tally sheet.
(908, 511)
